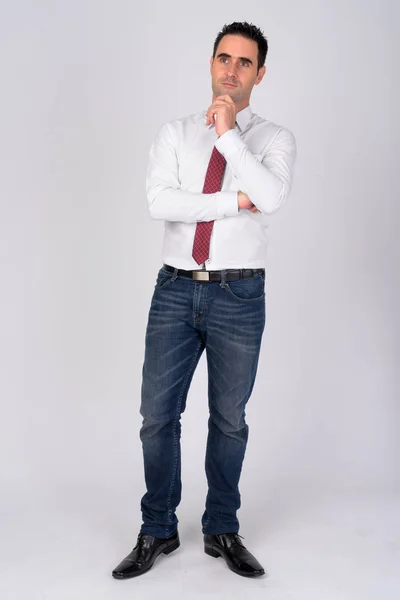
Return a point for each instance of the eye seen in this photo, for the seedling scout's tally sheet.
(244, 63)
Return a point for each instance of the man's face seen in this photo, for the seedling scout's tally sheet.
(235, 63)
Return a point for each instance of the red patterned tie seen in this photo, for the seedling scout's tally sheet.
(212, 183)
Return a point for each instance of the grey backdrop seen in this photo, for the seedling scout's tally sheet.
(84, 88)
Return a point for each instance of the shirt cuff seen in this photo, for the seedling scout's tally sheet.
(227, 204)
(229, 142)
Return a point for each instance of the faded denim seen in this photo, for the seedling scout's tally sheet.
(226, 319)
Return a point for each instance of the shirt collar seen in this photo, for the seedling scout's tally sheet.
(242, 118)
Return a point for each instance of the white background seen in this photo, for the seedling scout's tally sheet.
(84, 88)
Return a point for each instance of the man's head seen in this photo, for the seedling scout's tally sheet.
(238, 58)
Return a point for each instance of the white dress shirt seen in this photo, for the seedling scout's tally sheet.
(259, 161)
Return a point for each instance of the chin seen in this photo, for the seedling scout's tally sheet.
(232, 92)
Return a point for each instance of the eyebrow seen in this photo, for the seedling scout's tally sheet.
(225, 55)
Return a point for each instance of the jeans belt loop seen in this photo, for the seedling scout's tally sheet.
(223, 278)
(175, 274)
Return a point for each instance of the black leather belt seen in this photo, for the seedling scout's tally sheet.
(231, 274)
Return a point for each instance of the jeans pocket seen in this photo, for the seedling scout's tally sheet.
(247, 290)
(164, 277)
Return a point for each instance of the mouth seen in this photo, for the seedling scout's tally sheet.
(229, 84)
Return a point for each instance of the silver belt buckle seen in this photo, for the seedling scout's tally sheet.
(201, 275)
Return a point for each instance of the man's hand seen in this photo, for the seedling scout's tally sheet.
(225, 109)
(245, 202)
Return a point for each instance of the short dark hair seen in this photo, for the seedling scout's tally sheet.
(249, 31)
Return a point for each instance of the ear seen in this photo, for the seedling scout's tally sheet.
(211, 62)
(260, 75)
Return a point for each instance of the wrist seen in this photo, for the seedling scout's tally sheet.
(230, 129)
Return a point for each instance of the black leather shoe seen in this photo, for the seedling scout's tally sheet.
(237, 557)
(142, 557)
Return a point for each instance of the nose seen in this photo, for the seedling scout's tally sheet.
(232, 71)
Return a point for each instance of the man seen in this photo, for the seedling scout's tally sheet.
(214, 177)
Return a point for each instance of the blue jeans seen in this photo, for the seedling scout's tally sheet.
(186, 317)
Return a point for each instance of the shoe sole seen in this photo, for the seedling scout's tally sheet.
(168, 550)
(216, 553)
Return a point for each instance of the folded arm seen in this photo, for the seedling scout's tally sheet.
(267, 182)
(165, 197)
